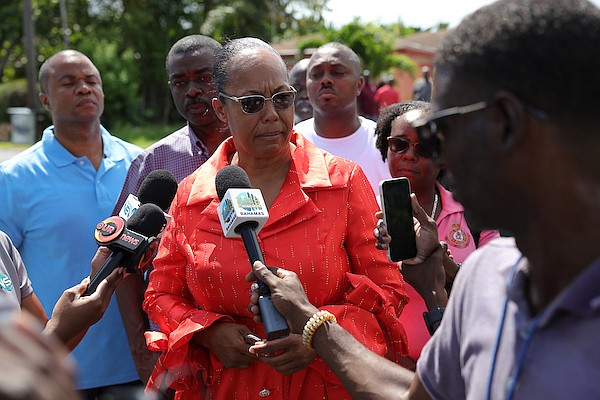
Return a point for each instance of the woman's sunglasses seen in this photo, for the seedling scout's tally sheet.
(255, 103)
(399, 145)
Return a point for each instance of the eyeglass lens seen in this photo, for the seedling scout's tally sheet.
(253, 104)
(399, 145)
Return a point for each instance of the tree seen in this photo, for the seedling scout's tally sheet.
(374, 44)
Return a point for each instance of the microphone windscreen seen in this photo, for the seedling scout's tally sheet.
(231, 177)
(158, 188)
(148, 220)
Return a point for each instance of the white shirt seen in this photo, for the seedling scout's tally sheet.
(359, 147)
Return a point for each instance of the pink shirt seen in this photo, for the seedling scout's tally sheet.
(453, 229)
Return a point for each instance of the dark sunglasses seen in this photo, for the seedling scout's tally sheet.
(255, 103)
(399, 145)
(432, 136)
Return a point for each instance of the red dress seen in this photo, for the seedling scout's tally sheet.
(320, 226)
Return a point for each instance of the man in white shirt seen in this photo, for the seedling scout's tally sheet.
(334, 82)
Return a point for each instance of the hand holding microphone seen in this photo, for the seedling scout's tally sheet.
(159, 187)
(242, 212)
(133, 242)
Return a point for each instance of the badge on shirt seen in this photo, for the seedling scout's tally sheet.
(5, 283)
(457, 237)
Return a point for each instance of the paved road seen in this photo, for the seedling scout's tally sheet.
(5, 154)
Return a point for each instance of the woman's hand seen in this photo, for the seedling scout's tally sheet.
(287, 355)
(425, 233)
(227, 341)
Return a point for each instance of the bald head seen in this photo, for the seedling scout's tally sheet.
(342, 52)
(48, 67)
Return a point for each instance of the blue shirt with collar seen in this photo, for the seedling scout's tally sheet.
(50, 203)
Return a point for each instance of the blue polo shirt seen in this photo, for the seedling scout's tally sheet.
(50, 203)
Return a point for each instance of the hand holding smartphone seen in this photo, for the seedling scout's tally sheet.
(398, 218)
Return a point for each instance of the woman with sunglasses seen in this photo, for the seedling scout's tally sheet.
(399, 144)
(321, 215)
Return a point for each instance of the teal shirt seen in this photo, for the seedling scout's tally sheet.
(50, 203)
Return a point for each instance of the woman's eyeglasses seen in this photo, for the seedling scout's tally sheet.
(399, 145)
(255, 103)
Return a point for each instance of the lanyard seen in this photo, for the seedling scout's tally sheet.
(527, 338)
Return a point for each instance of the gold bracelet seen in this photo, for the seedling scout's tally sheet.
(318, 319)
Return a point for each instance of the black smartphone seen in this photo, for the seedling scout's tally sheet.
(398, 217)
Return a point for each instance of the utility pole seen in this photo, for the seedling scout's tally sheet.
(64, 24)
(31, 68)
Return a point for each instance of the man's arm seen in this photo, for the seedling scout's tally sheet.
(130, 296)
(363, 373)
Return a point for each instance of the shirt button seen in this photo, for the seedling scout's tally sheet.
(264, 393)
(81, 162)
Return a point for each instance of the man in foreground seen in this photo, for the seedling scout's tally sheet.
(523, 314)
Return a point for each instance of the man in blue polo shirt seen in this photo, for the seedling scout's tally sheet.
(53, 195)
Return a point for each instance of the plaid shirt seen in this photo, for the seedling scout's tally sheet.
(180, 153)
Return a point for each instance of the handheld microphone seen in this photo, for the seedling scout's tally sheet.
(133, 242)
(242, 212)
(159, 187)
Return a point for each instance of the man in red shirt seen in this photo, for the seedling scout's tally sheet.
(386, 94)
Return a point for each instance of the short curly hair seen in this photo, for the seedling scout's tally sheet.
(191, 43)
(229, 51)
(388, 115)
(542, 51)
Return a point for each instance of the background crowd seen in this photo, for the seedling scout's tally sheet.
(517, 155)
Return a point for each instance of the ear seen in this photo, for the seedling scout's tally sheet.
(219, 109)
(361, 83)
(513, 116)
(45, 101)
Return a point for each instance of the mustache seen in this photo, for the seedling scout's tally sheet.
(195, 100)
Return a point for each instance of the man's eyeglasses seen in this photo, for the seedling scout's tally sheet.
(432, 136)
(254, 103)
(399, 145)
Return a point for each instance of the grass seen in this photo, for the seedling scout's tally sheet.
(145, 135)
(142, 136)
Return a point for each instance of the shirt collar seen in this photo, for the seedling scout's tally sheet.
(581, 297)
(309, 165)
(195, 141)
(447, 202)
(61, 157)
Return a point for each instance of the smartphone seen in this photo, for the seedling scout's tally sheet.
(398, 217)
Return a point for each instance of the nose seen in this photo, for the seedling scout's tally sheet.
(194, 89)
(409, 154)
(83, 88)
(270, 114)
(327, 80)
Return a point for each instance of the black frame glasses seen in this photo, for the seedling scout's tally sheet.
(431, 135)
(400, 145)
(254, 103)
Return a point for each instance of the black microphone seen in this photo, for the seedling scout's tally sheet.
(242, 212)
(159, 187)
(133, 242)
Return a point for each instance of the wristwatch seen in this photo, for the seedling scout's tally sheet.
(432, 317)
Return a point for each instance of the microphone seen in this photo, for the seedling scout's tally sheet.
(133, 242)
(159, 187)
(242, 212)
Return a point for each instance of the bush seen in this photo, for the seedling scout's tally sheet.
(12, 94)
